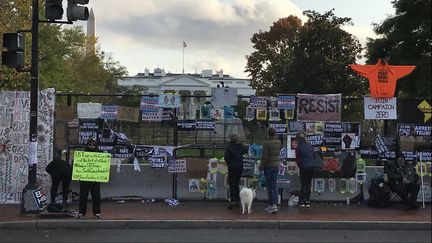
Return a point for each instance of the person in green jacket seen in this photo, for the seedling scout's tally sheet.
(270, 164)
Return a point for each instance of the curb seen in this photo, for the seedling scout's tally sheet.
(217, 224)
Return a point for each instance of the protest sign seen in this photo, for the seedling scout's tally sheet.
(91, 166)
(157, 161)
(89, 110)
(286, 102)
(177, 166)
(109, 112)
(319, 107)
(380, 108)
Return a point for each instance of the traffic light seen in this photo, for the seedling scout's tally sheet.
(13, 50)
(53, 9)
(77, 12)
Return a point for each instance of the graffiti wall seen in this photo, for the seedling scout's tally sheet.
(14, 138)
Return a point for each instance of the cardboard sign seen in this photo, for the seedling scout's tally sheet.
(128, 114)
(380, 109)
(91, 166)
(319, 107)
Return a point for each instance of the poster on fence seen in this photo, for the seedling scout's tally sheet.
(109, 112)
(157, 161)
(91, 166)
(177, 166)
(151, 114)
(380, 108)
(258, 102)
(149, 102)
(169, 100)
(221, 97)
(311, 107)
(286, 102)
(89, 110)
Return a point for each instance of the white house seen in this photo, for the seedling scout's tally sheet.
(186, 84)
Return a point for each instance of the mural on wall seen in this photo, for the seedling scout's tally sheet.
(14, 138)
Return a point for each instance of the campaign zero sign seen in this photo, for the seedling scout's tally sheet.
(319, 107)
(380, 108)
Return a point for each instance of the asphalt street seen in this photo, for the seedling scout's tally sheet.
(213, 235)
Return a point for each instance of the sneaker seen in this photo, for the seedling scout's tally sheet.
(307, 204)
(98, 216)
(80, 216)
(302, 204)
(271, 209)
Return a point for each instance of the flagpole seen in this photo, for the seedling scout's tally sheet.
(183, 57)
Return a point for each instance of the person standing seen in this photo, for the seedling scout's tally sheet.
(270, 164)
(305, 158)
(60, 171)
(234, 160)
(90, 186)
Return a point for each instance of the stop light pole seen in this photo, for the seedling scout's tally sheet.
(27, 201)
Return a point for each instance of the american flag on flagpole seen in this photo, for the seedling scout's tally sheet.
(184, 44)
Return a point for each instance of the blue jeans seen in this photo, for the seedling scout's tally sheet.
(271, 174)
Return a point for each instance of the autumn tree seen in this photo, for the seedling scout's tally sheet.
(406, 36)
(312, 57)
(65, 61)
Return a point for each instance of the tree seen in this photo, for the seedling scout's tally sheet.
(65, 60)
(407, 38)
(313, 57)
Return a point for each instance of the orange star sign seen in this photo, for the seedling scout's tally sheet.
(382, 77)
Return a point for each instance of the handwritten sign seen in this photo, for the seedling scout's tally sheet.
(91, 166)
(380, 109)
(319, 107)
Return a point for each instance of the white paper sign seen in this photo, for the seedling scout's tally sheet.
(380, 109)
(89, 110)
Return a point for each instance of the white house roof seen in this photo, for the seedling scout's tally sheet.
(192, 82)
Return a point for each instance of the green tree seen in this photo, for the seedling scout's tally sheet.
(67, 61)
(407, 38)
(312, 57)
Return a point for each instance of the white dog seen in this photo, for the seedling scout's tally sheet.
(246, 197)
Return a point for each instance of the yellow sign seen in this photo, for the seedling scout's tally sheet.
(426, 108)
(91, 166)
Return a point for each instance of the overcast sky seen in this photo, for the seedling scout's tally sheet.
(149, 33)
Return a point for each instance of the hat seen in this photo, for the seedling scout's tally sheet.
(301, 136)
(235, 138)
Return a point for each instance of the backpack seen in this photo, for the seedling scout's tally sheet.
(379, 193)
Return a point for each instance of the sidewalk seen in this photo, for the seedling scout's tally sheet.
(213, 213)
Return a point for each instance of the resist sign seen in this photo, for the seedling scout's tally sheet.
(380, 109)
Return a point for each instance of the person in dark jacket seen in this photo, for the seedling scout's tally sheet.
(270, 164)
(305, 158)
(403, 180)
(90, 186)
(234, 160)
(60, 171)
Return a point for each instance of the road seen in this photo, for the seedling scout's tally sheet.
(213, 235)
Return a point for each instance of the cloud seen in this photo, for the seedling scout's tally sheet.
(217, 32)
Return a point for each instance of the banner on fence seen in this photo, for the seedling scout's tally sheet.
(380, 108)
(91, 166)
(312, 107)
